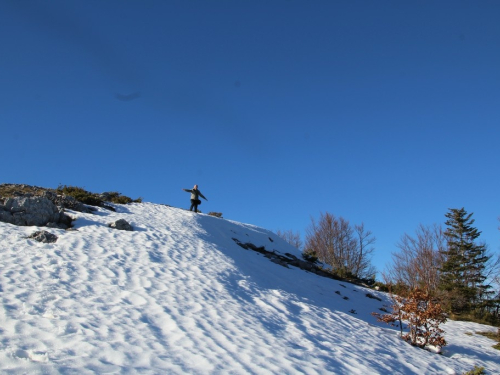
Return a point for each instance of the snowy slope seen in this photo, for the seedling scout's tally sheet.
(179, 296)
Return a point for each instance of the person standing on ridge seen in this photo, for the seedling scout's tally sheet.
(195, 201)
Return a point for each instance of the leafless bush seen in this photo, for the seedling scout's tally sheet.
(346, 248)
(293, 238)
(419, 259)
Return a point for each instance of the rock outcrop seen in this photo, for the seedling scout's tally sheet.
(33, 211)
(27, 205)
(67, 201)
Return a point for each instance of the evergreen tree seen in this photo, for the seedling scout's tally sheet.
(462, 272)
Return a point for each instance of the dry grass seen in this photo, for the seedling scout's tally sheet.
(80, 194)
(11, 190)
(492, 335)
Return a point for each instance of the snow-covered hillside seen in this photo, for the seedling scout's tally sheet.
(179, 296)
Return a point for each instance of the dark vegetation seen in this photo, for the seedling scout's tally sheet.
(437, 274)
(453, 266)
(80, 194)
(94, 199)
(346, 248)
(440, 274)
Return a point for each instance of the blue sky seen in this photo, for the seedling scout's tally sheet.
(382, 112)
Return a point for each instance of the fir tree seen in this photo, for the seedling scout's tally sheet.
(462, 273)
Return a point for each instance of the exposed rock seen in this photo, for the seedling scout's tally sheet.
(369, 295)
(43, 236)
(288, 259)
(121, 224)
(27, 205)
(67, 201)
(21, 190)
(33, 211)
(283, 260)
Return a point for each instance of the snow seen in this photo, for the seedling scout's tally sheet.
(178, 296)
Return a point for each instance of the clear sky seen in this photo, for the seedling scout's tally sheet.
(382, 112)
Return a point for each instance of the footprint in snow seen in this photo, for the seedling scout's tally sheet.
(32, 355)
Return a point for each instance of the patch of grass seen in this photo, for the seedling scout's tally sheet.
(115, 197)
(487, 319)
(80, 195)
(12, 190)
(492, 335)
(476, 371)
(94, 199)
(489, 334)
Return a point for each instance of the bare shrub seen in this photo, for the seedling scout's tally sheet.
(419, 259)
(346, 248)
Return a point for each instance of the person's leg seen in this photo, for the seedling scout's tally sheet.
(192, 205)
(197, 202)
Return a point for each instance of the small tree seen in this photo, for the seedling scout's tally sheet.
(463, 268)
(418, 260)
(422, 315)
(347, 249)
(364, 250)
